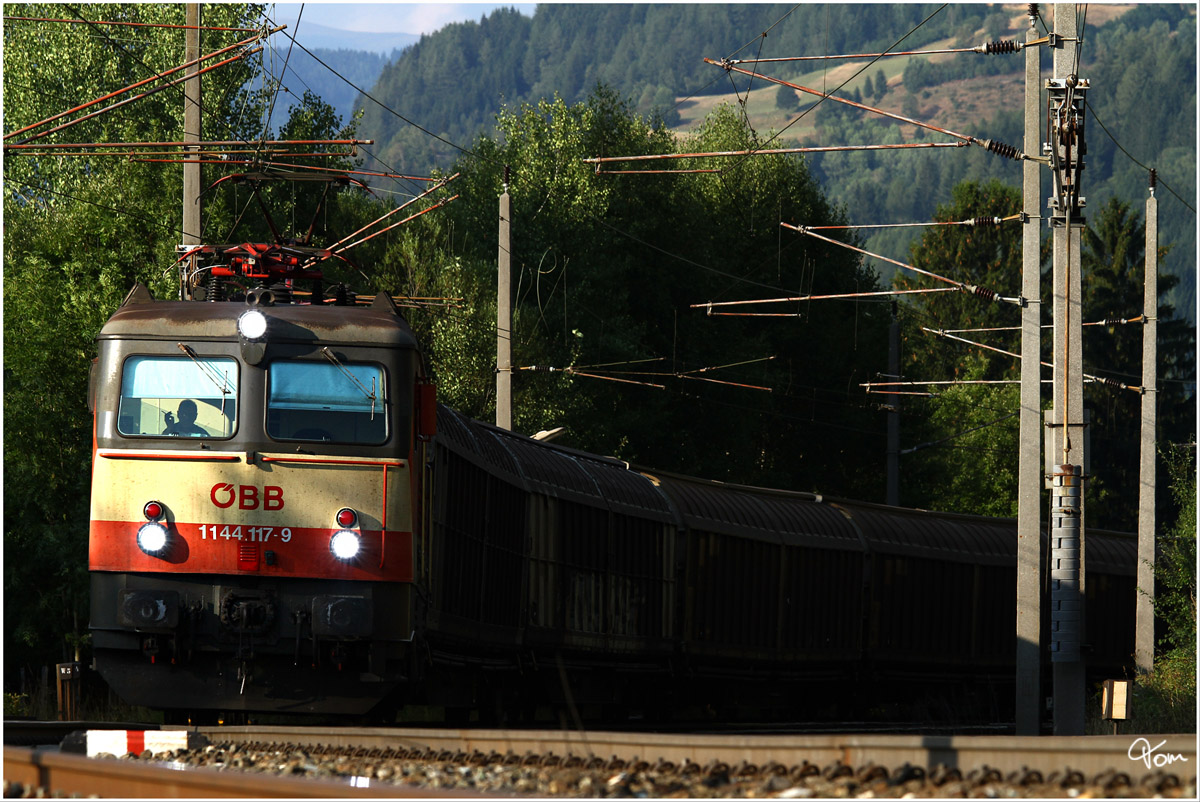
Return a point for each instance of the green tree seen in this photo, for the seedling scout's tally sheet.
(881, 84)
(603, 275)
(964, 437)
(1170, 704)
(1113, 262)
(988, 256)
(787, 99)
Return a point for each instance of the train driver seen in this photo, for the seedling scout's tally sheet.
(186, 425)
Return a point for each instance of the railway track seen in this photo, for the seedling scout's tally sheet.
(321, 763)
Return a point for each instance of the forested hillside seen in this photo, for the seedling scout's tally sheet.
(454, 82)
(316, 73)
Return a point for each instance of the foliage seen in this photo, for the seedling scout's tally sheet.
(653, 52)
(971, 464)
(358, 68)
(591, 290)
(1169, 691)
(1113, 261)
(786, 99)
(606, 267)
(1150, 52)
(965, 437)
(469, 69)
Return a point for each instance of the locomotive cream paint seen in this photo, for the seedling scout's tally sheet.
(246, 605)
(229, 527)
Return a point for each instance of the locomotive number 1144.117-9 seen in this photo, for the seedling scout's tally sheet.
(254, 534)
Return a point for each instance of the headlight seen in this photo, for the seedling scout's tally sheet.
(345, 545)
(252, 324)
(152, 538)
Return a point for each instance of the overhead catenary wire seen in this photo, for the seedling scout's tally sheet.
(38, 189)
(204, 108)
(987, 48)
(999, 148)
(154, 72)
(1107, 322)
(282, 75)
(383, 106)
(335, 247)
(136, 85)
(956, 435)
(757, 152)
(606, 224)
(365, 150)
(941, 382)
(437, 205)
(974, 289)
(857, 73)
(1131, 157)
(594, 372)
(838, 296)
(179, 144)
(1090, 377)
(971, 221)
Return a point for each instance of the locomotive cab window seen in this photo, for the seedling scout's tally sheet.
(167, 396)
(334, 402)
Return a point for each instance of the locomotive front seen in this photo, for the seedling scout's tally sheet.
(254, 502)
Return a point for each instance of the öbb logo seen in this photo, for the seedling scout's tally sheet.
(223, 495)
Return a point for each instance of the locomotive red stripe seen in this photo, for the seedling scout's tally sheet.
(195, 549)
(168, 455)
(370, 463)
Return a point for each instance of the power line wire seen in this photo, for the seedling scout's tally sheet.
(156, 73)
(1131, 157)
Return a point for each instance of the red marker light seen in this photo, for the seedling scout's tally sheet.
(153, 510)
(346, 518)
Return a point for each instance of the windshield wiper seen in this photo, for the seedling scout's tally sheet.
(220, 380)
(368, 394)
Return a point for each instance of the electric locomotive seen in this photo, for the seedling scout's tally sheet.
(254, 496)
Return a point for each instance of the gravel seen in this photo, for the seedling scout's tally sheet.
(556, 777)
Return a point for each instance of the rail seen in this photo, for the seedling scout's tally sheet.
(62, 774)
(1089, 755)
